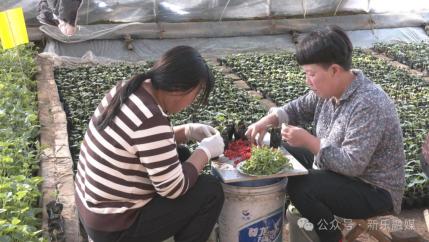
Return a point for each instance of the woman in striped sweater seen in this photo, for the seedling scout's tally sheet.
(130, 184)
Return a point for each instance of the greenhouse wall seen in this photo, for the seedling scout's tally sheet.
(110, 11)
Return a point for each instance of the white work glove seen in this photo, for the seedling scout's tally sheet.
(196, 131)
(213, 146)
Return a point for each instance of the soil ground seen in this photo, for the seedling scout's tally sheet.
(411, 220)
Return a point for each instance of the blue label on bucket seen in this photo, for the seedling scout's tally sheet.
(267, 229)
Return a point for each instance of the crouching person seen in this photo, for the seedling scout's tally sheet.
(130, 184)
(354, 154)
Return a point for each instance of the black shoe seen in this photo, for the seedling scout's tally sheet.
(45, 15)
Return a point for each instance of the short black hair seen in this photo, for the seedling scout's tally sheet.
(326, 46)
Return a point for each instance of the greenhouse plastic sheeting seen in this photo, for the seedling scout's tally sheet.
(94, 11)
(389, 6)
(316, 7)
(211, 10)
(146, 49)
(125, 11)
(29, 7)
(367, 38)
(235, 28)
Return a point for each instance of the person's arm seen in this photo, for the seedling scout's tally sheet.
(179, 133)
(193, 131)
(155, 146)
(299, 137)
(364, 131)
(260, 128)
(300, 108)
(269, 120)
(208, 148)
(297, 112)
(198, 159)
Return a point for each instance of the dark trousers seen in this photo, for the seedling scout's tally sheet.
(322, 194)
(189, 218)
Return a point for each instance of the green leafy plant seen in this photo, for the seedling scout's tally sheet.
(415, 55)
(276, 76)
(265, 161)
(20, 216)
(81, 90)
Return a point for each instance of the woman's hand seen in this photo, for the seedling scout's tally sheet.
(207, 149)
(197, 132)
(299, 137)
(260, 127)
(212, 146)
(254, 129)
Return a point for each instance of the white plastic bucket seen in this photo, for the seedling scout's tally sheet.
(300, 229)
(253, 213)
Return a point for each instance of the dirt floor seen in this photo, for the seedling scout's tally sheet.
(407, 220)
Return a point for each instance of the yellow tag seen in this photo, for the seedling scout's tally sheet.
(13, 31)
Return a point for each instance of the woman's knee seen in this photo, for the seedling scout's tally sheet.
(296, 185)
(212, 187)
(314, 183)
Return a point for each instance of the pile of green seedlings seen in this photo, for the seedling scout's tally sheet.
(414, 55)
(20, 215)
(265, 161)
